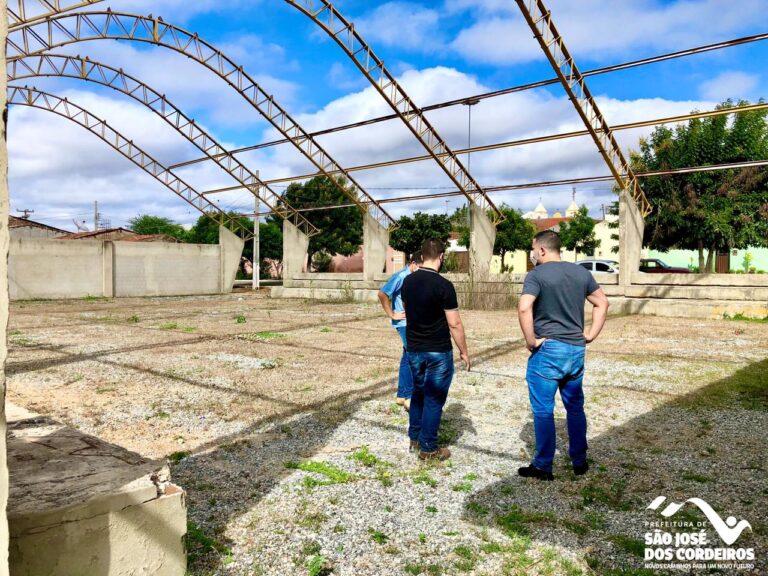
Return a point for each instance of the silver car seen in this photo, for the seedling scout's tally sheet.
(602, 266)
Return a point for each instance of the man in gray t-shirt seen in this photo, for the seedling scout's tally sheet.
(551, 313)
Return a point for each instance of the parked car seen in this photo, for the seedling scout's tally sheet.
(604, 266)
(656, 266)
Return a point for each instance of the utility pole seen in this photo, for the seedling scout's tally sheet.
(95, 215)
(256, 279)
(25, 213)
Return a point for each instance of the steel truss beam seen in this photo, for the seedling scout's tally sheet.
(343, 32)
(65, 29)
(510, 90)
(539, 18)
(525, 142)
(86, 69)
(63, 107)
(550, 184)
(22, 12)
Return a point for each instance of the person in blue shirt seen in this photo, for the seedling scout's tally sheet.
(391, 301)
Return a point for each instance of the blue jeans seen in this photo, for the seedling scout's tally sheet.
(432, 375)
(405, 379)
(557, 365)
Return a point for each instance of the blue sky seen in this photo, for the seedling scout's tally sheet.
(439, 49)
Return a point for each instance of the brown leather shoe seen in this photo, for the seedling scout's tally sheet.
(440, 454)
(414, 447)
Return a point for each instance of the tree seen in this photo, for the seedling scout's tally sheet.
(513, 233)
(714, 211)
(148, 224)
(578, 233)
(341, 229)
(206, 231)
(412, 231)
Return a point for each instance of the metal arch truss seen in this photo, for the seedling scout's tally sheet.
(117, 79)
(539, 18)
(26, 96)
(22, 12)
(64, 29)
(343, 32)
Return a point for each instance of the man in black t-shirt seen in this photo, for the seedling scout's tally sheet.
(432, 318)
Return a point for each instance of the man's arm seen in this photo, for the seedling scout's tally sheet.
(457, 332)
(386, 303)
(599, 302)
(525, 315)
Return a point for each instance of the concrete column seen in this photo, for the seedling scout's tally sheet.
(4, 241)
(375, 243)
(482, 237)
(231, 250)
(631, 228)
(295, 247)
(108, 269)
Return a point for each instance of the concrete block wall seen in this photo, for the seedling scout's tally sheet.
(43, 268)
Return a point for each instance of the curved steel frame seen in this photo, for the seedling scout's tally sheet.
(26, 96)
(325, 15)
(86, 69)
(64, 29)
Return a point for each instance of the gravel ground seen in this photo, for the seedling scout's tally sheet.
(278, 418)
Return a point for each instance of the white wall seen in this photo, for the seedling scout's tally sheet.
(40, 268)
(164, 269)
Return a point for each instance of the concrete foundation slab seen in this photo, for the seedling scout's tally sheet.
(81, 506)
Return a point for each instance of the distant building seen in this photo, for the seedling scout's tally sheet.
(608, 248)
(26, 228)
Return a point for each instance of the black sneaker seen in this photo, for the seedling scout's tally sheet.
(533, 472)
(581, 469)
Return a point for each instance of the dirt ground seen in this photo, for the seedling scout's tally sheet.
(279, 421)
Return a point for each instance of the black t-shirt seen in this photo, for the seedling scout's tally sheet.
(560, 289)
(426, 296)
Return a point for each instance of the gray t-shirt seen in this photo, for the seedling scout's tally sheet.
(560, 289)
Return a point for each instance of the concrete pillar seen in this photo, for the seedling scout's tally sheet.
(631, 228)
(108, 269)
(231, 250)
(4, 241)
(482, 237)
(375, 243)
(295, 247)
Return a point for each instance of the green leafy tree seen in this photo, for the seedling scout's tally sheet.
(512, 234)
(413, 230)
(341, 229)
(578, 233)
(148, 224)
(714, 211)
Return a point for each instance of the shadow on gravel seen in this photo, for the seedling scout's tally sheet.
(708, 444)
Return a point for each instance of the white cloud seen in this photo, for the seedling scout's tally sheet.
(404, 25)
(57, 168)
(731, 84)
(600, 30)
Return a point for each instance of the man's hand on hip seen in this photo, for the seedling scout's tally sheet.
(535, 344)
(398, 316)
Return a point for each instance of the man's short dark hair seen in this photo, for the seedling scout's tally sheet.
(549, 239)
(416, 258)
(432, 248)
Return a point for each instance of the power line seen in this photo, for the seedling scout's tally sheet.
(522, 142)
(513, 89)
(547, 184)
